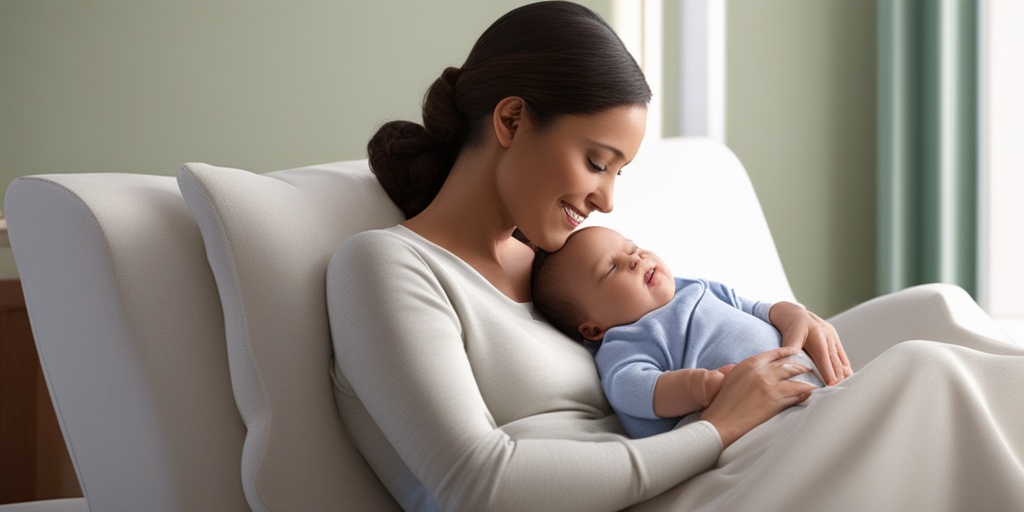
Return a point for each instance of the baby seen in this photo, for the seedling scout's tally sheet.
(662, 344)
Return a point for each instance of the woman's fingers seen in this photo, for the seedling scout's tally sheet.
(754, 390)
(791, 369)
(772, 355)
(801, 392)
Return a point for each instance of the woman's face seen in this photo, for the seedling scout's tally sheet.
(550, 180)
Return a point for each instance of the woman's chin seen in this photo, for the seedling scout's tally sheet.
(551, 242)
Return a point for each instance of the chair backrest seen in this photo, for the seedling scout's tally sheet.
(691, 201)
(151, 327)
(269, 238)
(130, 335)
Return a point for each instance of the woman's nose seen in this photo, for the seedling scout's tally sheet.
(602, 199)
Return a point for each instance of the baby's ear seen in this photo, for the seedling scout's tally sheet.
(591, 331)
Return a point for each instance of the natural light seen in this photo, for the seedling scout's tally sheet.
(1001, 247)
(1001, 165)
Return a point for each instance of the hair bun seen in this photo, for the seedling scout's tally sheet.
(451, 76)
(441, 116)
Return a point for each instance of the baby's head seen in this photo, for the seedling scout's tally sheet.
(598, 280)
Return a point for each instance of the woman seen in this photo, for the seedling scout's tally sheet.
(458, 395)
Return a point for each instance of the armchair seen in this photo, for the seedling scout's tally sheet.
(182, 326)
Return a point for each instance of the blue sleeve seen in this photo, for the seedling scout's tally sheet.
(629, 368)
(729, 296)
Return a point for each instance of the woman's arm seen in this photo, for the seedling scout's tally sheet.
(399, 343)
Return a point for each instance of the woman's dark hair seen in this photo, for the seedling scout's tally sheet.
(552, 298)
(559, 57)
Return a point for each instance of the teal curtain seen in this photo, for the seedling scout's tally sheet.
(927, 142)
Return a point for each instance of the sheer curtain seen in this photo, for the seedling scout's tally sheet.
(1001, 251)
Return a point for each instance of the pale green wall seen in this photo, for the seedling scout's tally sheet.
(130, 86)
(801, 116)
(123, 85)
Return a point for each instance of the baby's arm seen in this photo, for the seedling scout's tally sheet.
(680, 392)
(799, 328)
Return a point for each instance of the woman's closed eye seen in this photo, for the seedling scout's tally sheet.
(596, 167)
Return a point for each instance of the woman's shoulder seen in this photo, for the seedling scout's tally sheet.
(377, 240)
(371, 245)
(372, 237)
(389, 249)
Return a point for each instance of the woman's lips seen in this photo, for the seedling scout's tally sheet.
(575, 216)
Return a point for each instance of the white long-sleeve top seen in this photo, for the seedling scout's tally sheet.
(462, 399)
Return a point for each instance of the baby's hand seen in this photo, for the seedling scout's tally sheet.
(805, 330)
(712, 383)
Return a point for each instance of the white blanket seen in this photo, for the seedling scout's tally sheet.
(925, 426)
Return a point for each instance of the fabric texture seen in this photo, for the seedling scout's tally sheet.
(485, 406)
(268, 239)
(705, 325)
(123, 305)
(925, 426)
(489, 408)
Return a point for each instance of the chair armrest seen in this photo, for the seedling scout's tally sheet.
(939, 312)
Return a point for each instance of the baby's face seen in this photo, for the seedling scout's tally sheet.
(614, 281)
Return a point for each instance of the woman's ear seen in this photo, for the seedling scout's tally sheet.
(508, 113)
(592, 331)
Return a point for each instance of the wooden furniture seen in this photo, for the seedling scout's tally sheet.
(34, 461)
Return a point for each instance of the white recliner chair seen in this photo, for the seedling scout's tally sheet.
(182, 324)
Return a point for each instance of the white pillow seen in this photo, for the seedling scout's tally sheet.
(268, 239)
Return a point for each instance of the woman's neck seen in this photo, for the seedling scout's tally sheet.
(469, 220)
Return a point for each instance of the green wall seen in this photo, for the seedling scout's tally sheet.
(800, 100)
(136, 86)
(129, 86)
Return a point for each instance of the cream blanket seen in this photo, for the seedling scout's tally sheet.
(925, 426)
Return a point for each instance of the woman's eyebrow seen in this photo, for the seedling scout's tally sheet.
(618, 153)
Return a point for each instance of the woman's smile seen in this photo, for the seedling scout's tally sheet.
(575, 216)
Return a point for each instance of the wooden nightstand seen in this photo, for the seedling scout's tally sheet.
(34, 461)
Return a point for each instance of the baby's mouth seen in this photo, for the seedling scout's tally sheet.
(649, 275)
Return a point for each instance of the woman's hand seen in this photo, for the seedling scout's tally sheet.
(755, 390)
(803, 329)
